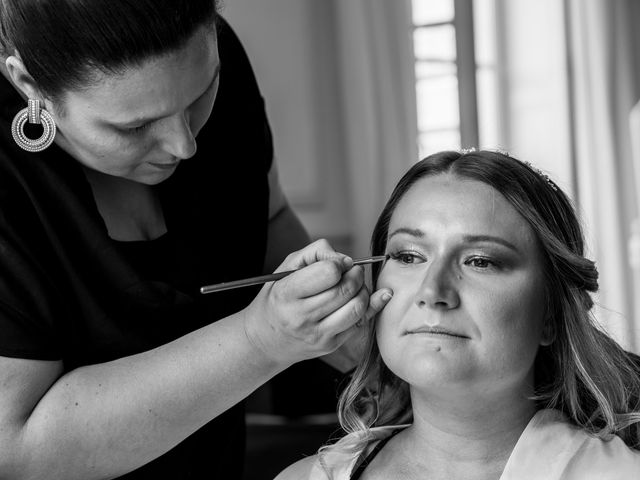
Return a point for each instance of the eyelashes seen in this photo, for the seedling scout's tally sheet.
(476, 262)
(139, 128)
(134, 130)
(406, 257)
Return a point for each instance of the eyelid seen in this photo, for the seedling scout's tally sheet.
(405, 248)
(397, 255)
(479, 257)
(404, 251)
(491, 261)
(138, 128)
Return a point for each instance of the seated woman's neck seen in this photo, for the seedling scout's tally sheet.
(466, 439)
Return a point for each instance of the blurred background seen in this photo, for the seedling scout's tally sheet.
(358, 90)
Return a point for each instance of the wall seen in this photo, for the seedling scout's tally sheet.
(533, 48)
(291, 44)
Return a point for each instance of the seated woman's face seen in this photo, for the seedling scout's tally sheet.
(468, 301)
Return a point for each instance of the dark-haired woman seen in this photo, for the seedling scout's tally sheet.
(111, 363)
(487, 363)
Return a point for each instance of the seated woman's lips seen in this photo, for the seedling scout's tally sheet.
(435, 330)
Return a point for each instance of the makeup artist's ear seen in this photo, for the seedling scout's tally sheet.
(21, 78)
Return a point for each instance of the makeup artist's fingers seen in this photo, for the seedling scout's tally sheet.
(377, 301)
(333, 330)
(339, 288)
(349, 336)
(354, 314)
(302, 315)
(346, 316)
(314, 252)
(289, 329)
(319, 277)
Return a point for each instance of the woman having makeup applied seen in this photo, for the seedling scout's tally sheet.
(487, 363)
(136, 166)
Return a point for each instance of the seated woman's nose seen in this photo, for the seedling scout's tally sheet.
(437, 290)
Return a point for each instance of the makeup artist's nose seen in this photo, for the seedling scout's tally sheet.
(438, 289)
(178, 139)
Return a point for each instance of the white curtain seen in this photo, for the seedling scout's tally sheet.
(603, 62)
(378, 100)
(634, 235)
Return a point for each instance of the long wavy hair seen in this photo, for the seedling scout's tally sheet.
(583, 372)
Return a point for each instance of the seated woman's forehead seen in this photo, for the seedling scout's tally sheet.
(448, 203)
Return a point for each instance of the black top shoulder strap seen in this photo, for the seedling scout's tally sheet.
(364, 460)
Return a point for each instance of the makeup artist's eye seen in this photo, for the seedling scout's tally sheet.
(137, 129)
(406, 258)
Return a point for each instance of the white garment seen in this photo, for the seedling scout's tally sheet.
(549, 448)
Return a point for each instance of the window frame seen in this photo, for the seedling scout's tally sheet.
(466, 70)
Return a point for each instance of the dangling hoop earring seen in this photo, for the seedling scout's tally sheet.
(34, 114)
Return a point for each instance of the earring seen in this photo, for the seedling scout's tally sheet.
(33, 114)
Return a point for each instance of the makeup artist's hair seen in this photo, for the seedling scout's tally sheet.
(583, 372)
(63, 43)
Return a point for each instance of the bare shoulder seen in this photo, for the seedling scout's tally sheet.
(301, 470)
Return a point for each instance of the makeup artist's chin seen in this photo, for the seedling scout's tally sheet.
(153, 173)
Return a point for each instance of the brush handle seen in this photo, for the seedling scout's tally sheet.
(272, 277)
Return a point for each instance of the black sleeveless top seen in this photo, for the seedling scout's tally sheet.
(69, 292)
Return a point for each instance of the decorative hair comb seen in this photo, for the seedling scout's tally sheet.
(540, 173)
(543, 175)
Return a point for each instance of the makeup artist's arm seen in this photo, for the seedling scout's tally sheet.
(101, 421)
(287, 234)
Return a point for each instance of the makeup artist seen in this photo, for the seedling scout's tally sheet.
(136, 165)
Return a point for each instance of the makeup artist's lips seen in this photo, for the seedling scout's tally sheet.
(435, 331)
(165, 166)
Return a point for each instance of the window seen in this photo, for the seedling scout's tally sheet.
(456, 74)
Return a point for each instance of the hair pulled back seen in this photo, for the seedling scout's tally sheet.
(63, 42)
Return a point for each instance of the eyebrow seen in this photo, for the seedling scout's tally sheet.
(416, 232)
(144, 120)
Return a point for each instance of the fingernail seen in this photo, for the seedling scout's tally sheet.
(387, 296)
(347, 262)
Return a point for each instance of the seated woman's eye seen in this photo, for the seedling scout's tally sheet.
(480, 262)
(406, 258)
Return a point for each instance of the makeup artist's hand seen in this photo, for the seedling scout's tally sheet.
(312, 311)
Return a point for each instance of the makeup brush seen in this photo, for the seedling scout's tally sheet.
(219, 287)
